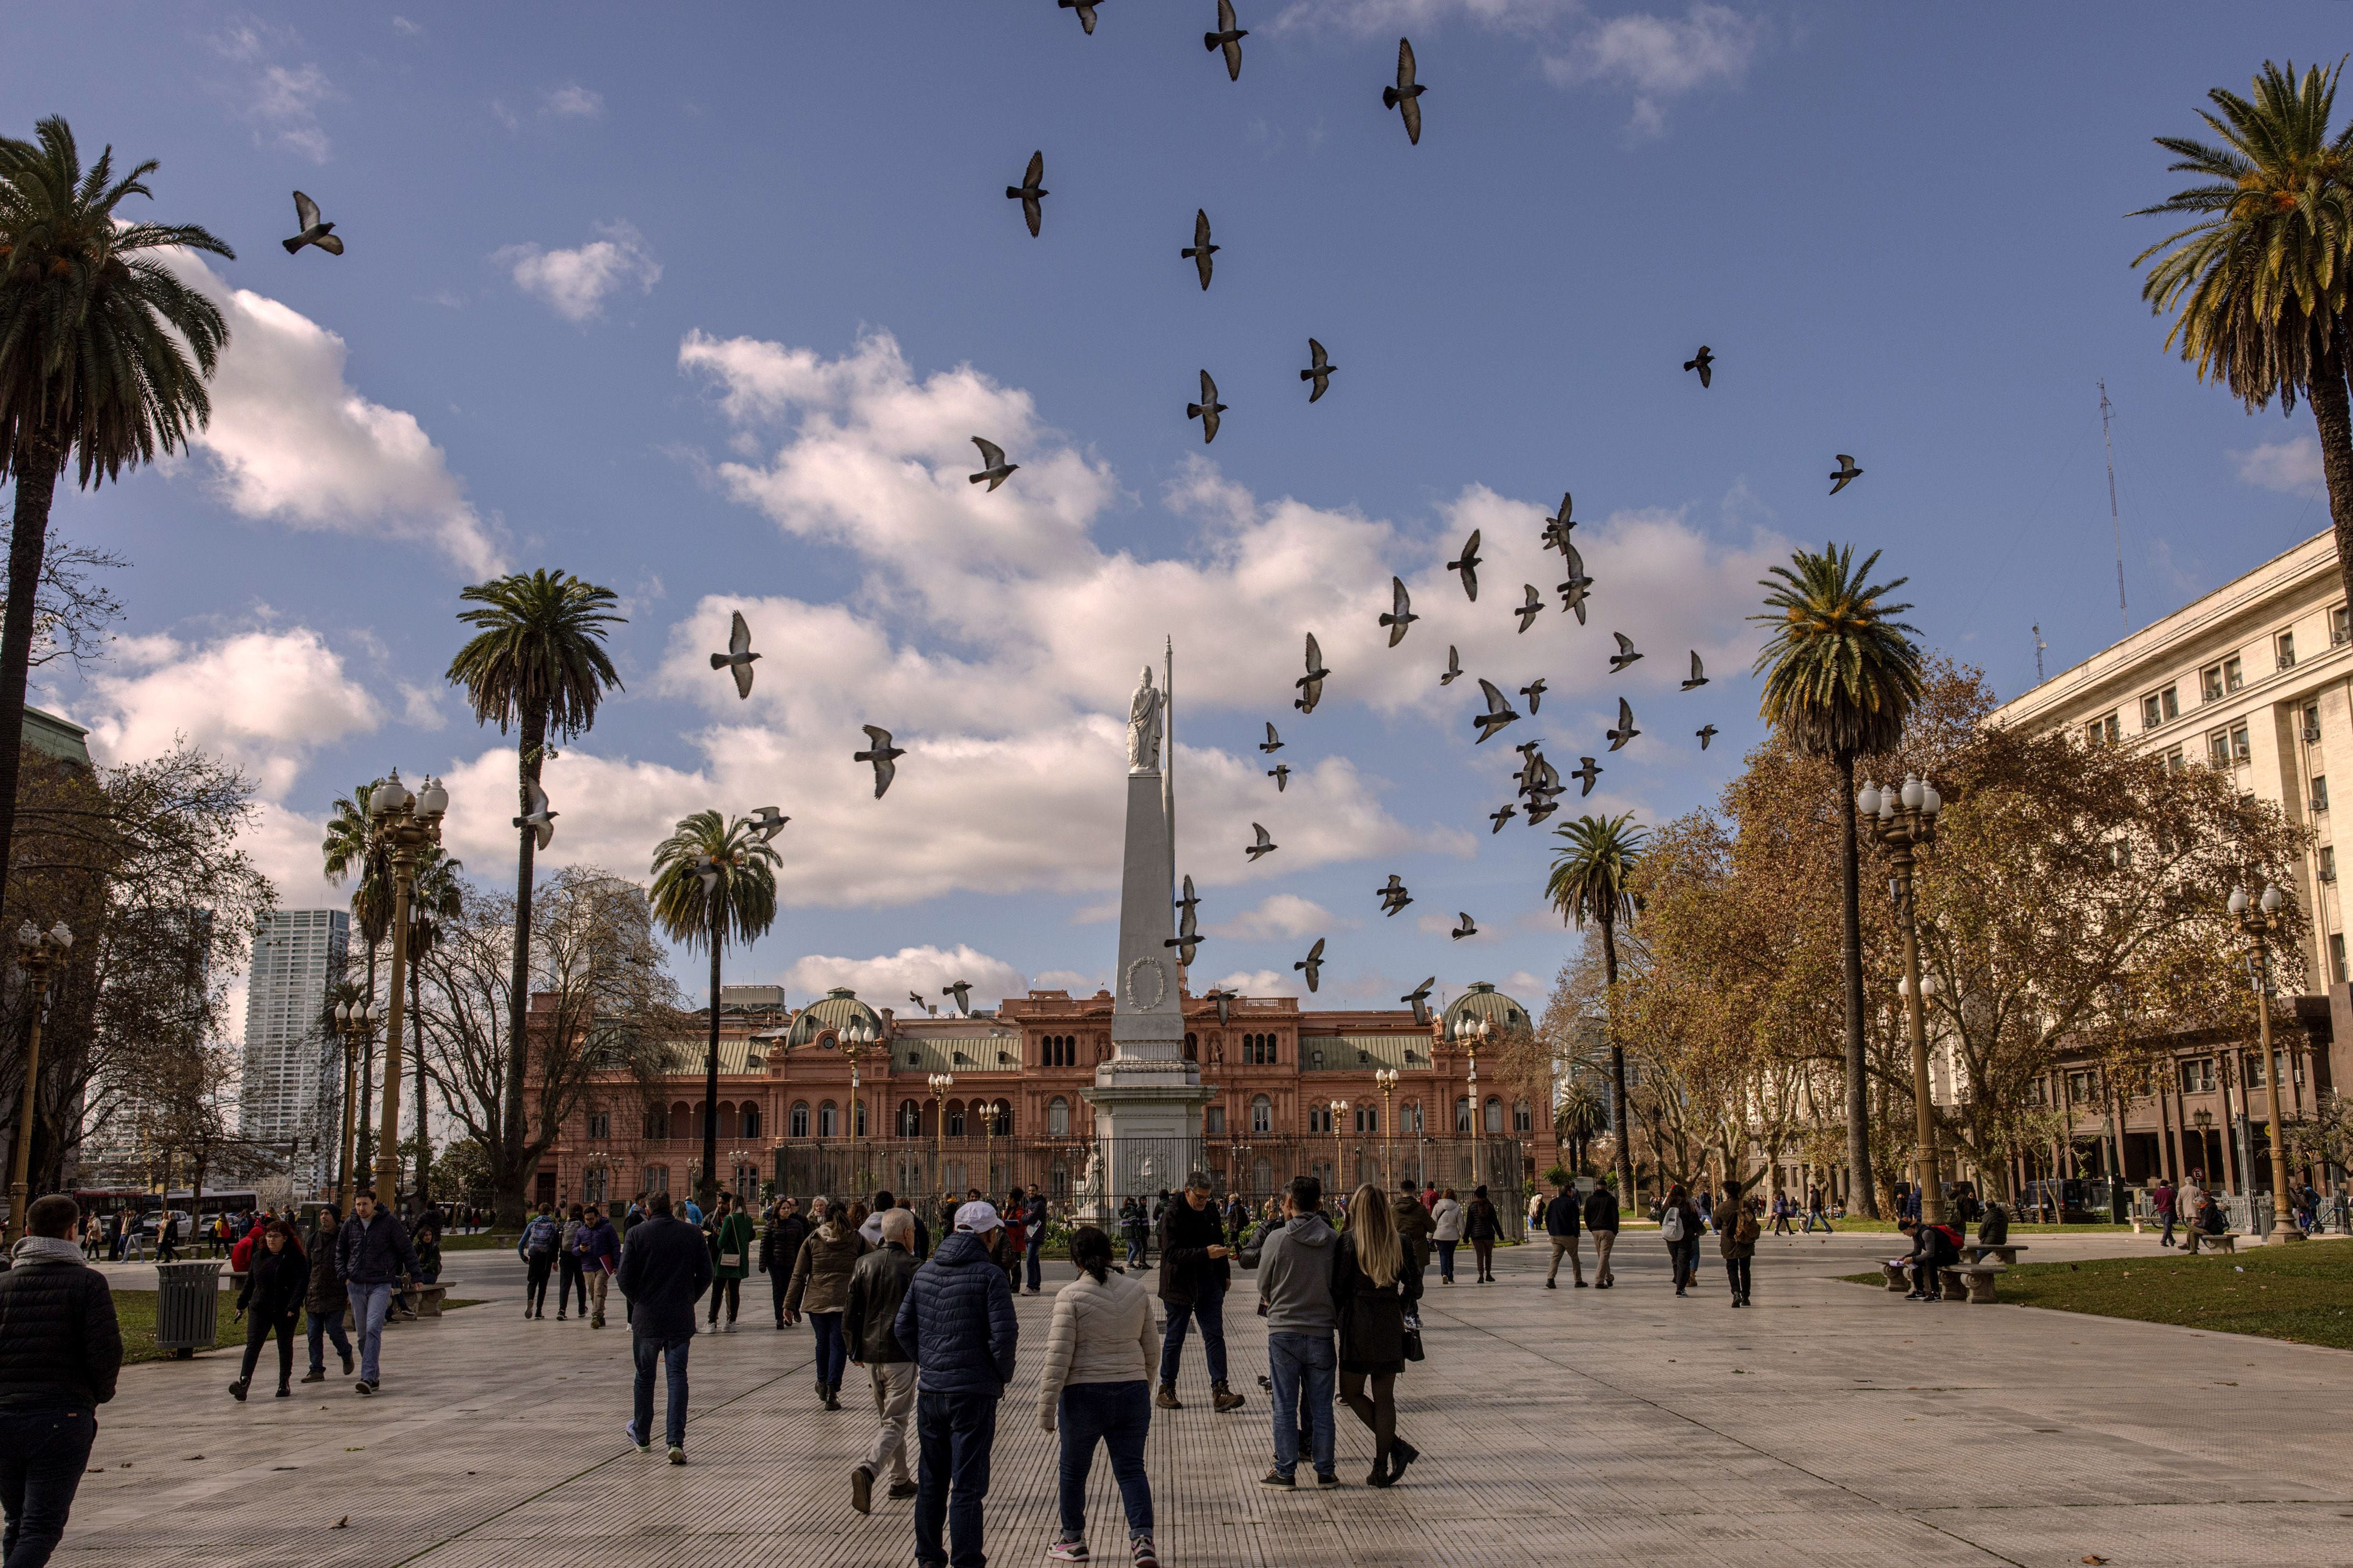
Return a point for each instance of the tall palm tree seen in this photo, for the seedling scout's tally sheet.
(715, 881)
(1591, 875)
(104, 353)
(1582, 1118)
(436, 896)
(536, 662)
(2258, 285)
(351, 849)
(1840, 677)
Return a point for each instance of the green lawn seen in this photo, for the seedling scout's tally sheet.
(2299, 1293)
(134, 1312)
(2016, 1227)
(481, 1241)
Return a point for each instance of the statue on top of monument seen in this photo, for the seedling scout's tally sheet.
(1143, 726)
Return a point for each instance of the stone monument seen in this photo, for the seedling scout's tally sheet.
(1147, 1098)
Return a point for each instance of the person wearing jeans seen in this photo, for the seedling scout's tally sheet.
(1193, 1278)
(1295, 1265)
(324, 1303)
(373, 1253)
(665, 1270)
(958, 1322)
(820, 1287)
(1445, 1231)
(60, 1352)
(1096, 1387)
(1562, 1217)
(1036, 1241)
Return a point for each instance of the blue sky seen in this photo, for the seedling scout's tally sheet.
(703, 306)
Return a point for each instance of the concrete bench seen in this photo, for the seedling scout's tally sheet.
(424, 1300)
(1974, 1278)
(2199, 1241)
(1899, 1278)
(2006, 1251)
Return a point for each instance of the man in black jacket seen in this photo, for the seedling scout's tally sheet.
(60, 1352)
(374, 1252)
(780, 1248)
(1563, 1217)
(877, 1285)
(1601, 1219)
(1193, 1278)
(665, 1270)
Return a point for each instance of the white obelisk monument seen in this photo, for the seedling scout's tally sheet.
(1147, 1098)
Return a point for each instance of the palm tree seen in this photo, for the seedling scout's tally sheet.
(713, 880)
(1582, 1118)
(1591, 874)
(435, 896)
(1840, 677)
(104, 353)
(352, 848)
(2258, 285)
(536, 662)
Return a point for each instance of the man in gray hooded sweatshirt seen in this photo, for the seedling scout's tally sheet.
(1294, 1288)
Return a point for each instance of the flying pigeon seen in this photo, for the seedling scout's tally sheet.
(1207, 410)
(1228, 38)
(994, 467)
(323, 234)
(1846, 473)
(1188, 934)
(1319, 370)
(1311, 685)
(1698, 675)
(1405, 95)
(1625, 654)
(1265, 845)
(767, 822)
(1393, 897)
(1498, 714)
(917, 999)
(1704, 363)
(1469, 566)
(962, 992)
(1199, 252)
(1501, 818)
(739, 655)
(1625, 731)
(1534, 692)
(1029, 192)
(1086, 10)
(882, 756)
(1538, 811)
(1550, 784)
(1401, 613)
(1225, 1001)
(1559, 526)
(1312, 963)
(1280, 775)
(1530, 606)
(1466, 929)
(1587, 774)
(536, 817)
(1572, 592)
(1705, 732)
(1191, 901)
(1418, 1000)
(1274, 743)
(1454, 667)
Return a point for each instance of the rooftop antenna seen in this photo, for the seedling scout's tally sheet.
(2114, 519)
(2038, 646)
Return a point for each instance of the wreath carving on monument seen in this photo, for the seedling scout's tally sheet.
(1135, 997)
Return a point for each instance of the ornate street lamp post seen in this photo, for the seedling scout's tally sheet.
(353, 1020)
(408, 824)
(941, 1083)
(857, 1040)
(1386, 1078)
(2258, 921)
(1902, 821)
(1339, 1108)
(40, 953)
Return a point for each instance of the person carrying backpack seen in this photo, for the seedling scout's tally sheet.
(1736, 1241)
(1680, 1225)
(537, 1248)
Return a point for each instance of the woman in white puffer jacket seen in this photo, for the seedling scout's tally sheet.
(1098, 1382)
(1446, 1230)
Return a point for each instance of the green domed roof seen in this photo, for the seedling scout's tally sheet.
(839, 1009)
(1484, 1001)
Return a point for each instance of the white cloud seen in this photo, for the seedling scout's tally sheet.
(1281, 915)
(1262, 983)
(575, 283)
(281, 102)
(573, 101)
(2292, 467)
(1526, 988)
(291, 441)
(1072, 981)
(1383, 16)
(1657, 59)
(406, 28)
(885, 980)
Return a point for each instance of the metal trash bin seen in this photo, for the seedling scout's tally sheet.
(187, 1307)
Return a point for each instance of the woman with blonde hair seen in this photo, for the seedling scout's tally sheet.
(1372, 1289)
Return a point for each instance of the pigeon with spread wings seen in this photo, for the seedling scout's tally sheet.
(1311, 685)
(1319, 370)
(1534, 692)
(1266, 846)
(767, 822)
(536, 817)
(1498, 714)
(1454, 667)
(1200, 251)
(1274, 743)
(1560, 524)
(1207, 410)
(962, 992)
(1468, 927)
(883, 754)
(323, 234)
(1586, 774)
(1467, 564)
(1418, 1000)
(1405, 96)
(993, 470)
(1625, 654)
(1228, 38)
(1531, 606)
(1031, 192)
(1705, 732)
(738, 658)
(1280, 775)
(1845, 474)
(1189, 933)
(1312, 965)
(1393, 897)
(1698, 675)
(1625, 731)
(1705, 363)
(1401, 611)
(1501, 816)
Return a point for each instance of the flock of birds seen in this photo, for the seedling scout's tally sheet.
(1539, 785)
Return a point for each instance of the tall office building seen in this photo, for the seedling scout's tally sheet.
(289, 1093)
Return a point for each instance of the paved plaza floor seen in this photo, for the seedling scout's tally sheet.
(1831, 1425)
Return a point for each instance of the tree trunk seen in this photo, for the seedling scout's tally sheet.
(424, 1144)
(364, 1155)
(511, 1198)
(708, 1188)
(38, 463)
(1618, 1120)
(1865, 1196)
(2333, 418)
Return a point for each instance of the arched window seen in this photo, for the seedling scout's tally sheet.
(1494, 1114)
(656, 1123)
(1262, 1115)
(1523, 1119)
(1058, 1119)
(1462, 1114)
(955, 1118)
(751, 1122)
(859, 1115)
(1412, 1123)
(726, 1119)
(910, 1120)
(800, 1119)
(829, 1120)
(681, 1122)
(1368, 1119)
(1319, 1119)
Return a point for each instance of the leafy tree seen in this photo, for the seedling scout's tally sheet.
(537, 663)
(104, 353)
(1591, 884)
(1840, 676)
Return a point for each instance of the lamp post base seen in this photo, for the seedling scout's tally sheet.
(2283, 1229)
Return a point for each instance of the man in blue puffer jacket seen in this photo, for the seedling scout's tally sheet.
(957, 1323)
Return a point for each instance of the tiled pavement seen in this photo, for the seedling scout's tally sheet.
(1606, 1427)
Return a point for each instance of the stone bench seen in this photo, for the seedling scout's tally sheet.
(424, 1300)
(2226, 1242)
(1974, 1278)
(1899, 1276)
(2006, 1251)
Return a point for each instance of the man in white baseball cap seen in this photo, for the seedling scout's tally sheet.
(957, 1323)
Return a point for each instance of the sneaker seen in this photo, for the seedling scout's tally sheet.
(1141, 1551)
(236, 1390)
(363, 1386)
(630, 1431)
(1325, 1478)
(861, 1489)
(1067, 1552)
(1277, 1482)
(284, 1392)
(902, 1491)
(559, 1317)
(677, 1454)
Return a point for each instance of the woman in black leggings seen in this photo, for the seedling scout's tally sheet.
(1372, 1289)
(271, 1301)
